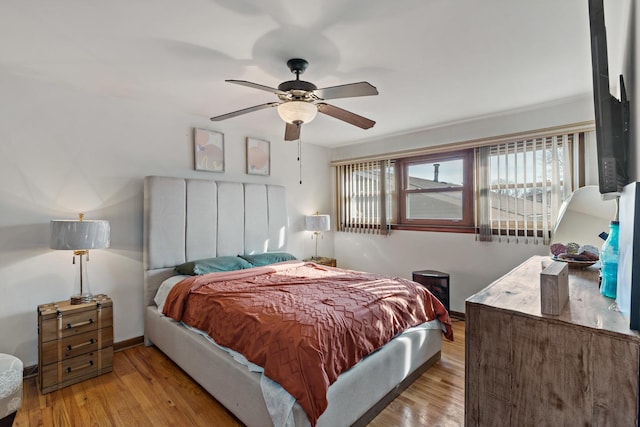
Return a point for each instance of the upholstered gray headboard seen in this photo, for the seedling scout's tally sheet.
(189, 219)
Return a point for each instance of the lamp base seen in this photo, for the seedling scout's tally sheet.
(81, 298)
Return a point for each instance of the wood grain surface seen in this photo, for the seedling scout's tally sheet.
(526, 368)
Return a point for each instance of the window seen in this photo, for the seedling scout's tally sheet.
(436, 190)
(511, 189)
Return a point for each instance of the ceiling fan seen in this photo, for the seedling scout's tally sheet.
(300, 101)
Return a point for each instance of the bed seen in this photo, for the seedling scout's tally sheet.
(190, 219)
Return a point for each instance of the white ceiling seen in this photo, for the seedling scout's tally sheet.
(433, 61)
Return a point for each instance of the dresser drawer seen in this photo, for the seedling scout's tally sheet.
(74, 345)
(76, 369)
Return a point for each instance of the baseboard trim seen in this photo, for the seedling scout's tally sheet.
(29, 371)
(132, 342)
(457, 315)
(32, 371)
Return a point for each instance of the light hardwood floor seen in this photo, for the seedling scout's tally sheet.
(147, 389)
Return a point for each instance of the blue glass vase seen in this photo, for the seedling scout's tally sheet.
(609, 260)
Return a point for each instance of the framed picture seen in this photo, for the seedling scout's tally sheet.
(258, 157)
(208, 147)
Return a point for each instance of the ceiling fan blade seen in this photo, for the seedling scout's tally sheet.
(244, 111)
(257, 86)
(345, 116)
(347, 91)
(292, 131)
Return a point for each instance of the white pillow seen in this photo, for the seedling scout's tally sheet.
(164, 289)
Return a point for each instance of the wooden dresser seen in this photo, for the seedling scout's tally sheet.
(524, 368)
(75, 342)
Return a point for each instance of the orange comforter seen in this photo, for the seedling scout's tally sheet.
(302, 322)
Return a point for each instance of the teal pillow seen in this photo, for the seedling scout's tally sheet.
(210, 265)
(258, 260)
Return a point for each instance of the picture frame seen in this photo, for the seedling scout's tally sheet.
(258, 157)
(208, 148)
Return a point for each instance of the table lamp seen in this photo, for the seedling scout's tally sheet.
(80, 236)
(317, 223)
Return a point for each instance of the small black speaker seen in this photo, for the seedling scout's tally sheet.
(436, 282)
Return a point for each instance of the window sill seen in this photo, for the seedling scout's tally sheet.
(439, 229)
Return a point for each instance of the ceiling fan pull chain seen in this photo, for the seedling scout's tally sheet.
(300, 157)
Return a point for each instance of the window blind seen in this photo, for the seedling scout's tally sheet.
(521, 186)
(364, 191)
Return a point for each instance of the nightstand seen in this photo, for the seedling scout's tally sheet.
(75, 342)
(329, 262)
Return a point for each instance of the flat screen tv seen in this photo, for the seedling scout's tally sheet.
(611, 113)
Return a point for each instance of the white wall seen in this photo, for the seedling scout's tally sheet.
(64, 152)
(471, 265)
(558, 113)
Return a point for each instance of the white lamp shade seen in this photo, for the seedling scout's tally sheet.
(297, 111)
(80, 235)
(317, 223)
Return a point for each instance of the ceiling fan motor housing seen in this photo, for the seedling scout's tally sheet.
(296, 85)
(297, 67)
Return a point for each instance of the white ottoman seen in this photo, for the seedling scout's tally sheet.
(10, 388)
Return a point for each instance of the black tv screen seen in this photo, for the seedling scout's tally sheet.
(611, 114)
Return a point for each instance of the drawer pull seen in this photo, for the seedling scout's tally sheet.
(77, 325)
(86, 365)
(70, 347)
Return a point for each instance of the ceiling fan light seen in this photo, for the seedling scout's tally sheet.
(297, 111)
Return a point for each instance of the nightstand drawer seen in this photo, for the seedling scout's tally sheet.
(76, 369)
(74, 345)
(65, 323)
